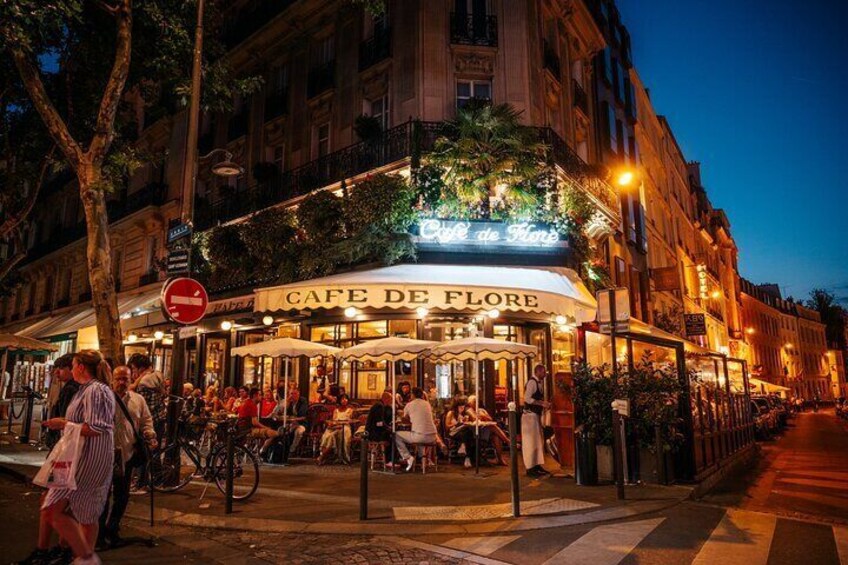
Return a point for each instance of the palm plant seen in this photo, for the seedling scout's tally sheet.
(486, 152)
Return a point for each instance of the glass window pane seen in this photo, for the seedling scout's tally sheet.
(402, 328)
(323, 333)
(483, 90)
(376, 329)
(463, 89)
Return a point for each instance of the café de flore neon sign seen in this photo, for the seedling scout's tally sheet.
(493, 236)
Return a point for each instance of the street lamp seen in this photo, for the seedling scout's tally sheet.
(227, 167)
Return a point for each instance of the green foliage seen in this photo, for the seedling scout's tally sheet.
(269, 237)
(832, 315)
(384, 203)
(671, 321)
(367, 128)
(319, 217)
(593, 392)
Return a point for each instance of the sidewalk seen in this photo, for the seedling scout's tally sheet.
(306, 498)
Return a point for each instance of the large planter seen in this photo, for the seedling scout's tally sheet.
(606, 468)
(586, 467)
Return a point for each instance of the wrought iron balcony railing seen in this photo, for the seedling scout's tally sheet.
(474, 29)
(376, 48)
(321, 79)
(551, 60)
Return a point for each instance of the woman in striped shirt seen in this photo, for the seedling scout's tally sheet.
(74, 514)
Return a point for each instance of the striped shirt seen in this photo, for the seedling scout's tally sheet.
(93, 404)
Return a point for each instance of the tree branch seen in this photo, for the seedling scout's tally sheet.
(108, 8)
(20, 253)
(12, 221)
(104, 129)
(52, 120)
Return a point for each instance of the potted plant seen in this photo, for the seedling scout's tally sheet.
(592, 392)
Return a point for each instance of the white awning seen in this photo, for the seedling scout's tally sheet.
(82, 317)
(554, 291)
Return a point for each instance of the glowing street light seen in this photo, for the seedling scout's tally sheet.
(350, 312)
(625, 178)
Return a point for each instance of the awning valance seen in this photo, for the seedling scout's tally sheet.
(83, 316)
(555, 291)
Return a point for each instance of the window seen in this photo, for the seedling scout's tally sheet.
(322, 140)
(605, 59)
(374, 25)
(610, 127)
(276, 154)
(324, 51)
(618, 74)
(152, 252)
(468, 89)
(379, 108)
(278, 81)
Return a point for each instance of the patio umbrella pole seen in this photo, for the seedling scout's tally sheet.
(477, 415)
(394, 410)
(285, 361)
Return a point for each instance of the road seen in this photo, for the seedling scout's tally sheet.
(793, 508)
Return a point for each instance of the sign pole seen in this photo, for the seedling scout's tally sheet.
(618, 438)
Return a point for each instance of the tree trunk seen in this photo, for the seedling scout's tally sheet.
(99, 253)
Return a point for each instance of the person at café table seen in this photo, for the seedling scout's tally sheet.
(456, 421)
(404, 395)
(266, 408)
(229, 399)
(337, 432)
(319, 384)
(297, 408)
(419, 414)
(491, 433)
(243, 396)
(248, 420)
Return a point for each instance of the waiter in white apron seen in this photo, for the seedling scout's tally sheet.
(532, 438)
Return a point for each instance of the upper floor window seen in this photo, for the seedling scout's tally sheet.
(324, 51)
(379, 109)
(275, 154)
(472, 23)
(468, 89)
(322, 140)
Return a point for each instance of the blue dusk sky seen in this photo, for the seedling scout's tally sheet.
(757, 91)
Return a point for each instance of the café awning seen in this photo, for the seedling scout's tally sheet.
(19, 344)
(83, 316)
(553, 291)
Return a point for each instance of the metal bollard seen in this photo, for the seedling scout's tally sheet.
(618, 453)
(513, 460)
(26, 424)
(229, 494)
(363, 478)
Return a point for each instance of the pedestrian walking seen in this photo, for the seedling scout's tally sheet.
(68, 388)
(532, 438)
(74, 514)
(133, 432)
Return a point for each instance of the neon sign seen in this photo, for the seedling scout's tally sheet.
(466, 233)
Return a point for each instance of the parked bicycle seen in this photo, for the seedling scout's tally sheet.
(176, 465)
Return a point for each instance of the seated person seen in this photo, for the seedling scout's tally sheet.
(333, 394)
(336, 433)
(243, 395)
(404, 395)
(379, 422)
(318, 384)
(297, 407)
(266, 407)
(489, 434)
(419, 414)
(248, 421)
(229, 400)
(211, 401)
(456, 421)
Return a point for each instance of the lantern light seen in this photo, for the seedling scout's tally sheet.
(268, 320)
(350, 312)
(158, 334)
(422, 311)
(494, 313)
(226, 325)
(561, 320)
(132, 338)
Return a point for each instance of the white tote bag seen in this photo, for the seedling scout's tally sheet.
(60, 468)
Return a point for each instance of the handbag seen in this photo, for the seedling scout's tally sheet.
(139, 456)
(60, 468)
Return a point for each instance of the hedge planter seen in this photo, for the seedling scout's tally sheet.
(606, 469)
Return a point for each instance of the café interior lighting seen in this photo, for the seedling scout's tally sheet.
(132, 338)
(158, 334)
(226, 325)
(749, 330)
(494, 313)
(350, 312)
(561, 320)
(268, 320)
(421, 311)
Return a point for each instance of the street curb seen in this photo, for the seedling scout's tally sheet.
(15, 474)
(171, 517)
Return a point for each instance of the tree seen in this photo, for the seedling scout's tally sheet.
(76, 59)
(487, 154)
(832, 315)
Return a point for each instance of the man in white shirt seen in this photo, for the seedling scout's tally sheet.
(532, 438)
(125, 440)
(418, 413)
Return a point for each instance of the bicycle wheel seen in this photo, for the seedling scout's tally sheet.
(245, 472)
(172, 468)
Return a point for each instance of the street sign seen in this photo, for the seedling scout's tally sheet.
(184, 300)
(178, 262)
(696, 324)
(622, 406)
(178, 232)
(188, 332)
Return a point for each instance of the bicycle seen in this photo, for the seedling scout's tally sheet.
(177, 464)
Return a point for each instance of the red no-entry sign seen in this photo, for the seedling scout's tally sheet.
(184, 300)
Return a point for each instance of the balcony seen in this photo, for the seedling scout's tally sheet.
(321, 79)
(579, 97)
(376, 48)
(248, 22)
(65, 237)
(276, 104)
(474, 29)
(550, 60)
(237, 124)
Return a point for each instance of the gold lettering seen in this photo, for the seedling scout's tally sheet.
(357, 295)
(419, 296)
(394, 296)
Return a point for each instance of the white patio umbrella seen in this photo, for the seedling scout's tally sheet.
(288, 348)
(389, 349)
(481, 349)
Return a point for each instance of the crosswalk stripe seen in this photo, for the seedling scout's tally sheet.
(481, 545)
(740, 537)
(836, 484)
(605, 545)
(840, 534)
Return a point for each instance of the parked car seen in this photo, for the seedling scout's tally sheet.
(769, 411)
(762, 420)
(780, 409)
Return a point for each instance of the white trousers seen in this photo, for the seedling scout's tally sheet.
(532, 440)
(404, 437)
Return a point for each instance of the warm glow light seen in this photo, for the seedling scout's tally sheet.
(421, 311)
(350, 312)
(226, 325)
(561, 320)
(724, 350)
(788, 346)
(158, 334)
(494, 313)
(715, 294)
(132, 338)
(625, 178)
(268, 320)
(749, 331)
